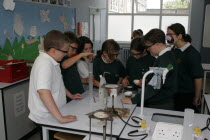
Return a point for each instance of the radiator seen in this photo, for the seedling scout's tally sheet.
(124, 54)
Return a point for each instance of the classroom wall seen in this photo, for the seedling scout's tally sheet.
(205, 51)
(83, 15)
(196, 23)
(22, 30)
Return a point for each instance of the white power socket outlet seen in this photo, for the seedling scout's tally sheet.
(167, 131)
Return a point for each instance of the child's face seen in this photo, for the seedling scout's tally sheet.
(137, 54)
(88, 48)
(173, 35)
(111, 57)
(152, 48)
(60, 53)
(72, 49)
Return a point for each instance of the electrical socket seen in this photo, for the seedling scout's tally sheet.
(167, 131)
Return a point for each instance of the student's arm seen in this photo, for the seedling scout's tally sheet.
(84, 80)
(120, 80)
(197, 74)
(73, 96)
(50, 104)
(69, 62)
(198, 86)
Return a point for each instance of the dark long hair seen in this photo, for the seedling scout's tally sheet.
(155, 36)
(178, 29)
(138, 32)
(109, 46)
(83, 40)
(137, 45)
(72, 37)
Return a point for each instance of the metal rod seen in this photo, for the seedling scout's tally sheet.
(122, 105)
(104, 130)
(111, 130)
(112, 101)
(123, 91)
(91, 81)
(142, 91)
(93, 28)
(90, 130)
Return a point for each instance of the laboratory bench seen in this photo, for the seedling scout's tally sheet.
(199, 121)
(80, 108)
(120, 130)
(14, 111)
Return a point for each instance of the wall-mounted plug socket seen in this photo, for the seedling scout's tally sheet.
(167, 131)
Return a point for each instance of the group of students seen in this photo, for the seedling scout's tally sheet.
(183, 83)
(60, 73)
(62, 70)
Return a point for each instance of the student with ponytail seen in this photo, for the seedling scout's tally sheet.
(190, 71)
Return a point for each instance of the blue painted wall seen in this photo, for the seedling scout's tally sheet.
(30, 15)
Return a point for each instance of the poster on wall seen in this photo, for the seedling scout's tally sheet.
(19, 104)
(24, 28)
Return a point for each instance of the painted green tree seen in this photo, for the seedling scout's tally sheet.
(33, 49)
(6, 51)
(17, 48)
(2, 55)
(20, 50)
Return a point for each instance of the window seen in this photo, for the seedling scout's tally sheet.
(124, 16)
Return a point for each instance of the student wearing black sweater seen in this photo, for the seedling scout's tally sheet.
(190, 71)
(138, 63)
(162, 98)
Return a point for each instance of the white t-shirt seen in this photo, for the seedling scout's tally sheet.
(82, 67)
(45, 74)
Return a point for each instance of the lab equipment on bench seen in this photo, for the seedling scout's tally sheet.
(155, 81)
(90, 67)
(105, 116)
(102, 90)
(188, 124)
(170, 131)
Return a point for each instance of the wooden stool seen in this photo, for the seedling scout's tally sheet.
(68, 136)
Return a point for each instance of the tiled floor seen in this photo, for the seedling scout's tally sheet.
(37, 135)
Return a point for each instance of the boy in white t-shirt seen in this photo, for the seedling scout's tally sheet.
(46, 91)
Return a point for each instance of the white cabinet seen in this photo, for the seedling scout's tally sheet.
(14, 110)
